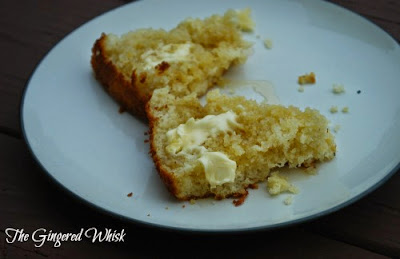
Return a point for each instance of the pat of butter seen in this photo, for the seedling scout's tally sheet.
(188, 139)
(169, 53)
(190, 136)
(219, 169)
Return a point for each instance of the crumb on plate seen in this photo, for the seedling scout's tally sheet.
(268, 43)
(288, 200)
(277, 184)
(307, 79)
(311, 170)
(338, 88)
(333, 109)
(336, 128)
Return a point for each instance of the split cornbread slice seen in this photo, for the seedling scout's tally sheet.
(231, 143)
(190, 58)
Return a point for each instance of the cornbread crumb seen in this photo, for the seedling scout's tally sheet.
(268, 43)
(288, 200)
(243, 19)
(336, 128)
(338, 89)
(345, 109)
(130, 194)
(301, 89)
(307, 79)
(241, 199)
(192, 201)
(277, 184)
(333, 109)
(311, 170)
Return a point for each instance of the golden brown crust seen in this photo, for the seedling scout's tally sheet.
(165, 176)
(124, 91)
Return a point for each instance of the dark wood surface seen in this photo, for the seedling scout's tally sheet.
(368, 228)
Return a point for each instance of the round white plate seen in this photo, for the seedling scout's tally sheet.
(77, 135)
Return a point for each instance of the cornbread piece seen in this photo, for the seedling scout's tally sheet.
(231, 143)
(277, 184)
(307, 79)
(333, 109)
(190, 58)
(345, 109)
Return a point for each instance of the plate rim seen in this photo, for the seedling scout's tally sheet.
(127, 219)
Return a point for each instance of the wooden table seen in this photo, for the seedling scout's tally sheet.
(29, 200)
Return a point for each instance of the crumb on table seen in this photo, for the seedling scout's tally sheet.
(130, 194)
(336, 128)
(301, 89)
(345, 109)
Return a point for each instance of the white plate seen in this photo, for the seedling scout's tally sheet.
(77, 135)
